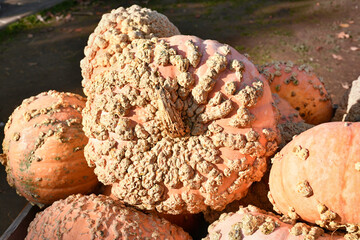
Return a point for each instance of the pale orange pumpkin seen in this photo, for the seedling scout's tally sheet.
(256, 196)
(316, 176)
(194, 224)
(114, 32)
(301, 88)
(179, 124)
(287, 114)
(43, 148)
(252, 223)
(99, 217)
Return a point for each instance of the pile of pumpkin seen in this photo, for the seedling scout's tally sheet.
(176, 126)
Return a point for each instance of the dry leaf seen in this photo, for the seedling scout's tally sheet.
(337, 57)
(344, 25)
(343, 35)
(354, 48)
(345, 85)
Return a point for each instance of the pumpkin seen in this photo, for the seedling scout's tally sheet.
(252, 223)
(299, 86)
(44, 148)
(99, 217)
(194, 224)
(316, 176)
(290, 123)
(179, 124)
(256, 196)
(115, 31)
(286, 112)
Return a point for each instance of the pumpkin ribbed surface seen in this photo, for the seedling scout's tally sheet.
(99, 217)
(316, 176)
(252, 223)
(43, 148)
(178, 124)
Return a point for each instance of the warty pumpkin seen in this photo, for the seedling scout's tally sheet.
(114, 32)
(256, 196)
(179, 124)
(252, 223)
(44, 148)
(301, 88)
(192, 223)
(290, 123)
(286, 112)
(316, 177)
(99, 217)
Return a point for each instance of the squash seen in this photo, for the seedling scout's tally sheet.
(44, 148)
(179, 124)
(194, 224)
(316, 176)
(299, 86)
(114, 32)
(252, 223)
(99, 217)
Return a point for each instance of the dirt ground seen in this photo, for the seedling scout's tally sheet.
(324, 34)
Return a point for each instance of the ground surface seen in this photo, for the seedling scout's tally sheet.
(324, 34)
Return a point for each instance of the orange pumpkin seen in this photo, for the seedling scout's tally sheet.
(287, 114)
(194, 224)
(316, 176)
(179, 124)
(299, 86)
(99, 217)
(114, 32)
(256, 196)
(43, 148)
(252, 223)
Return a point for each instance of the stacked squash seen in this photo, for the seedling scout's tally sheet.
(179, 125)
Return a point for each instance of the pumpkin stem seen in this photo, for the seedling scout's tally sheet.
(169, 116)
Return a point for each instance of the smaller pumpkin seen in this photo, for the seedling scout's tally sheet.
(286, 112)
(99, 217)
(43, 148)
(252, 223)
(194, 224)
(316, 176)
(299, 86)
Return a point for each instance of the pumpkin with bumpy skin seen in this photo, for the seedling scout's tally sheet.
(252, 223)
(316, 176)
(44, 148)
(299, 86)
(192, 223)
(114, 32)
(290, 123)
(179, 124)
(99, 217)
(286, 112)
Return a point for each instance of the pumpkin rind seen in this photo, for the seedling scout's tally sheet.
(252, 223)
(99, 217)
(43, 146)
(179, 124)
(299, 86)
(316, 176)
